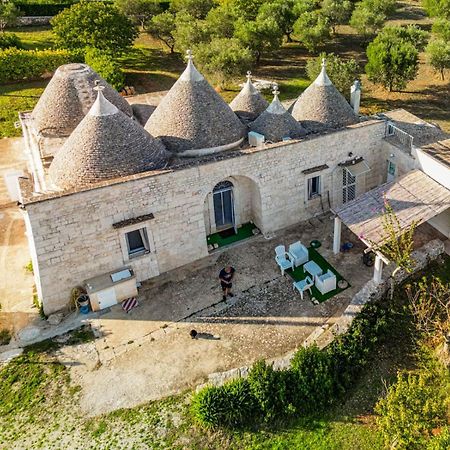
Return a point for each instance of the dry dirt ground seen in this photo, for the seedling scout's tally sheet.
(16, 284)
(148, 354)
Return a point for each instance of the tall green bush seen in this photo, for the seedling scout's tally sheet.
(19, 65)
(106, 66)
(229, 405)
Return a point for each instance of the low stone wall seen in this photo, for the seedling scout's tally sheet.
(30, 21)
(322, 335)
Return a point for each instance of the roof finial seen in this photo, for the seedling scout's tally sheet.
(275, 91)
(98, 87)
(249, 75)
(324, 63)
(322, 79)
(189, 54)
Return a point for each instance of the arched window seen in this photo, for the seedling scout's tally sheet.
(223, 185)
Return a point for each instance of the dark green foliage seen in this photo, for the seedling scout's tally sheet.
(313, 29)
(350, 352)
(272, 390)
(5, 337)
(9, 40)
(392, 60)
(411, 33)
(369, 16)
(313, 375)
(19, 65)
(283, 13)
(42, 8)
(106, 66)
(196, 8)
(229, 405)
(94, 24)
(162, 27)
(222, 59)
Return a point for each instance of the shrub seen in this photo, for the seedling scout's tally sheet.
(5, 337)
(8, 40)
(413, 407)
(106, 67)
(229, 405)
(314, 379)
(441, 441)
(351, 351)
(18, 65)
(272, 390)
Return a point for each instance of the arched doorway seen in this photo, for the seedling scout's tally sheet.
(223, 202)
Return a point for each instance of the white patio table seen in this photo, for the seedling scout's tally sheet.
(313, 269)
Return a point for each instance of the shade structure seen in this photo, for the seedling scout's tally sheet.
(322, 106)
(415, 198)
(249, 103)
(106, 144)
(193, 120)
(276, 123)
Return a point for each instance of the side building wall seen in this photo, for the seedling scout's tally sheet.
(74, 238)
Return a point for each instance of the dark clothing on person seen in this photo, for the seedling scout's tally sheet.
(225, 278)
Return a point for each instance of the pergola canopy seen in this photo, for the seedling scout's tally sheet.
(414, 197)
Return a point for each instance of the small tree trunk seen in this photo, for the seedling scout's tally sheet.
(392, 288)
(288, 37)
(442, 74)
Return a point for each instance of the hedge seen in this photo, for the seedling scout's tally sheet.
(8, 40)
(106, 67)
(315, 379)
(42, 9)
(19, 65)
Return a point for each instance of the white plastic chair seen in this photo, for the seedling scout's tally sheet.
(326, 283)
(303, 285)
(282, 259)
(298, 253)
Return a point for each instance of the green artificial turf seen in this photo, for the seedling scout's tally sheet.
(243, 232)
(299, 274)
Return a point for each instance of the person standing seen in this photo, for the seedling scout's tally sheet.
(226, 276)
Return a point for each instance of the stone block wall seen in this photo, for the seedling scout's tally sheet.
(74, 237)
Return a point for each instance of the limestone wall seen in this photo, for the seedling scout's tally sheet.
(74, 237)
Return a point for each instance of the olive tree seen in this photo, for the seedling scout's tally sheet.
(141, 10)
(8, 14)
(94, 24)
(162, 27)
(313, 29)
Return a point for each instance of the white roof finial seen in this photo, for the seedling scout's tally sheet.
(249, 75)
(322, 79)
(191, 73)
(102, 106)
(276, 107)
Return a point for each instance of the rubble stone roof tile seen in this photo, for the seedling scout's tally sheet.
(106, 144)
(68, 97)
(193, 116)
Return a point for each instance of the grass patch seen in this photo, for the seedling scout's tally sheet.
(35, 38)
(13, 99)
(243, 232)
(299, 274)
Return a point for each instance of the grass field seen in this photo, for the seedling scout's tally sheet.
(150, 68)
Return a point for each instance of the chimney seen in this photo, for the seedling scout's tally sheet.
(355, 96)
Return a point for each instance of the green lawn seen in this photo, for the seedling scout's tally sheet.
(243, 232)
(35, 37)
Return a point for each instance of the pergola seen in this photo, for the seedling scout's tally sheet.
(414, 197)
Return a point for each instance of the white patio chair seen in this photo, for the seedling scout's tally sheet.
(326, 283)
(298, 253)
(303, 285)
(282, 259)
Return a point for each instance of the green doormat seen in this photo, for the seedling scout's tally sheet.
(243, 232)
(299, 274)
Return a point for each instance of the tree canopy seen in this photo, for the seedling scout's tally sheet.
(93, 24)
(8, 14)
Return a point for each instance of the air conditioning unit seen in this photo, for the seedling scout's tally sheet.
(255, 139)
(111, 288)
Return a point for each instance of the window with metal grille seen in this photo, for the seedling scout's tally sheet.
(348, 186)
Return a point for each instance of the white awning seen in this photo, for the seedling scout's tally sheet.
(358, 168)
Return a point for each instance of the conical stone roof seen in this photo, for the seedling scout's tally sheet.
(276, 123)
(321, 105)
(192, 119)
(68, 97)
(106, 144)
(249, 103)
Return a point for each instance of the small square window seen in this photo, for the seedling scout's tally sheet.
(137, 242)
(313, 187)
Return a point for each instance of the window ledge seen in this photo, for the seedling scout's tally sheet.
(137, 255)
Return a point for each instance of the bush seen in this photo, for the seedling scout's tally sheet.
(19, 65)
(5, 337)
(106, 67)
(441, 441)
(9, 40)
(313, 377)
(42, 9)
(413, 407)
(229, 405)
(272, 390)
